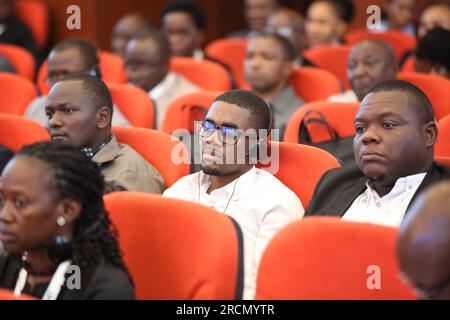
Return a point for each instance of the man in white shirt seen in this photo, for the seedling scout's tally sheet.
(370, 62)
(394, 152)
(258, 201)
(147, 64)
(70, 57)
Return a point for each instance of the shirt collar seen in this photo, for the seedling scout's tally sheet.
(402, 184)
(162, 86)
(108, 153)
(198, 54)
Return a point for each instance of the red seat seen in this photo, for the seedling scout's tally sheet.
(401, 42)
(134, 103)
(299, 167)
(17, 132)
(340, 116)
(435, 87)
(408, 65)
(325, 258)
(442, 148)
(230, 52)
(35, 15)
(159, 149)
(206, 74)
(9, 295)
(21, 59)
(331, 58)
(17, 93)
(111, 67)
(443, 161)
(177, 250)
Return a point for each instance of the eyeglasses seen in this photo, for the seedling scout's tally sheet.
(226, 135)
(427, 293)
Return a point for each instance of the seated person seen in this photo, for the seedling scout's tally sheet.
(53, 222)
(290, 24)
(13, 31)
(399, 16)
(126, 28)
(258, 201)
(147, 64)
(183, 23)
(370, 62)
(433, 16)
(268, 65)
(423, 247)
(256, 13)
(433, 53)
(394, 151)
(79, 110)
(70, 57)
(327, 21)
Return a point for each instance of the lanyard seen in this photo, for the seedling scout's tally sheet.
(54, 287)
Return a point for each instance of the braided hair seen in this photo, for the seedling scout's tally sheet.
(78, 178)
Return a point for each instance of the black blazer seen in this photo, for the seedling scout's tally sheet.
(338, 188)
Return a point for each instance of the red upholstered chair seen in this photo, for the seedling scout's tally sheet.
(177, 250)
(443, 161)
(35, 15)
(442, 148)
(16, 132)
(17, 93)
(21, 59)
(325, 258)
(299, 167)
(313, 84)
(9, 295)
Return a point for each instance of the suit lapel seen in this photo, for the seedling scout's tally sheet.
(431, 177)
(350, 191)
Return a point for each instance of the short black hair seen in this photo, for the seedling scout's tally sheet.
(96, 88)
(260, 111)
(421, 104)
(5, 155)
(161, 41)
(289, 50)
(87, 49)
(434, 47)
(188, 7)
(345, 9)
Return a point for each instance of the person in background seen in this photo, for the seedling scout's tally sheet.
(256, 13)
(184, 25)
(147, 64)
(70, 57)
(126, 28)
(268, 65)
(435, 15)
(433, 53)
(370, 62)
(52, 217)
(423, 246)
(327, 21)
(400, 14)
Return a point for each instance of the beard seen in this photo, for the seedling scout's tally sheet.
(212, 171)
(263, 88)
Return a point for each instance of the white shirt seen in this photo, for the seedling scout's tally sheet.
(346, 96)
(388, 210)
(260, 204)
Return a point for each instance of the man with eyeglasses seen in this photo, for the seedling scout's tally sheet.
(69, 58)
(235, 127)
(423, 247)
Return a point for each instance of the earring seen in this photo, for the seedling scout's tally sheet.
(60, 221)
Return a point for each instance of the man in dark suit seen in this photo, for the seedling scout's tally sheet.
(394, 151)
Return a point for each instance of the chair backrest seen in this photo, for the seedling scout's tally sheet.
(177, 250)
(401, 42)
(35, 15)
(167, 155)
(331, 58)
(313, 84)
(16, 132)
(443, 161)
(435, 87)
(326, 258)
(408, 64)
(299, 167)
(17, 93)
(184, 110)
(134, 103)
(111, 67)
(230, 52)
(339, 115)
(9, 295)
(21, 59)
(442, 147)
(206, 74)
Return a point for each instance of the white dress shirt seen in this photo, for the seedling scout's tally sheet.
(388, 210)
(260, 204)
(346, 96)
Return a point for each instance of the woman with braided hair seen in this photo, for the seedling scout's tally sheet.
(59, 240)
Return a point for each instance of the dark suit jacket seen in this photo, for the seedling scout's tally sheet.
(338, 188)
(18, 34)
